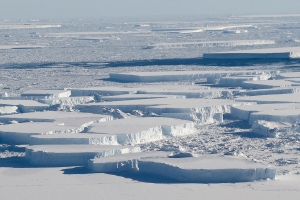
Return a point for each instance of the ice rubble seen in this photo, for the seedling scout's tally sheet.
(23, 106)
(67, 100)
(45, 94)
(211, 76)
(72, 155)
(202, 169)
(278, 53)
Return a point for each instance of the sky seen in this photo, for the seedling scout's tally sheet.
(93, 9)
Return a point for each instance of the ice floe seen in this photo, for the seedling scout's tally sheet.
(72, 155)
(274, 53)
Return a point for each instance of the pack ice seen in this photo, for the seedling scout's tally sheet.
(104, 128)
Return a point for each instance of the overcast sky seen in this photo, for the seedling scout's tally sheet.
(70, 9)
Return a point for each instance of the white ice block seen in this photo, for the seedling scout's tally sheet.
(8, 110)
(103, 91)
(121, 162)
(271, 99)
(209, 44)
(270, 129)
(243, 112)
(291, 116)
(207, 169)
(45, 94)
(24, 106)
(237, 81)
(273, 53)
(196, 93)
(53, 116)
(20, 133)
(211, 76)
(73, 138)
(265, 84)
(281, 90)
(125, 97)
(142, 130)
(288, 75)
(72, 155)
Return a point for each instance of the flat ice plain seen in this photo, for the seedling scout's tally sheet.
(131, 110)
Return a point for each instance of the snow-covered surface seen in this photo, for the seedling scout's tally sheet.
(72, 155)
(279, 53)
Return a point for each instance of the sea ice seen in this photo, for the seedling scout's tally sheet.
(211, 76)
(72, 155)
(67, 100)
(243, 112)
(45, 94)
(278, 53)
(24, 106)
(142, 130)
(207, 169)
(270, 129)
